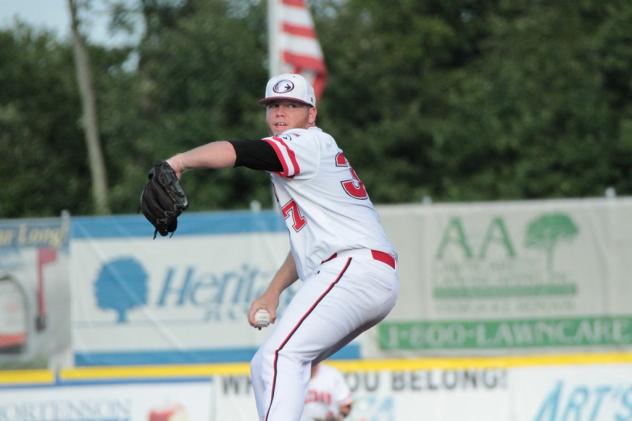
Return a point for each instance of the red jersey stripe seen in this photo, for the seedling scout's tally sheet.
(279, 155)
(291, 154)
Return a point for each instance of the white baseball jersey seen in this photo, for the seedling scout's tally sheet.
(328, 211)
(325, 205)
(326, 393)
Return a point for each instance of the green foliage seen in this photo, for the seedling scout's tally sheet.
(457, 100)
(42, 161)
(195, 83)
(481, 100)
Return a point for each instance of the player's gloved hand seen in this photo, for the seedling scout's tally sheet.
(163, 199)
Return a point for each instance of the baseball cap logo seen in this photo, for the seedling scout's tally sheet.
(283, 86)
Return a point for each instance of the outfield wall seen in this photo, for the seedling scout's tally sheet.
(535, 388)
(519, 310)
(492, 278)
(476, 279)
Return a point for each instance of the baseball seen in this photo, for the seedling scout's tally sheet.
(262, 318)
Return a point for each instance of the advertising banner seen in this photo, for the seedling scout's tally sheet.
(139, 300)
(583, 392)
(596, 387)
(187, 400)
(392, 396)
(510, 277)
(34, 294)
(574, 393)
(481, 278)
(184, 299)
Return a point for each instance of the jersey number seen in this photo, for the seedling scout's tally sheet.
(298, 220)
(354, 186)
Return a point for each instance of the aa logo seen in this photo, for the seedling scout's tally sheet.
(545, 232)
(503, 258)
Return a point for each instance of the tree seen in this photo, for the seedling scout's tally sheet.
(547, 231)
(121, 286)
(90, 121)
(198, 79)
(479, 100)
(42, 146)
(460, 101)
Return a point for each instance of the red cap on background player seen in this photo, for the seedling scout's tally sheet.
(289, 86)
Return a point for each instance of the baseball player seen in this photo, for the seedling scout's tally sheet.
(338, 247)
(328, 396)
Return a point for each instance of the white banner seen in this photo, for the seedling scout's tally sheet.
(159, 401)
(510, 276)
(599, 393)
(34, 293)
(594, 387)
(171, 300)
(562, 393)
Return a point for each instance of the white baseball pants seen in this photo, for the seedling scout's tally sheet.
(346, 296)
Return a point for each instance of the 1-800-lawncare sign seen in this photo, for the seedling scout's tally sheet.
(549, 274)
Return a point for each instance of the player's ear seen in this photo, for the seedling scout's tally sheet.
(311, 117)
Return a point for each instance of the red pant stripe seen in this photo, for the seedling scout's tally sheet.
(285, 341)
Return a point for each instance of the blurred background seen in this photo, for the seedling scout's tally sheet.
(495, 138)
(453, 100)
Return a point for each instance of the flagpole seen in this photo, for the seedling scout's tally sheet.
(273, 33)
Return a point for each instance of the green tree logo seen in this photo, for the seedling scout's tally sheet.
(547, 231)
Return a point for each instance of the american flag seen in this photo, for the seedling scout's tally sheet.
(293, 45)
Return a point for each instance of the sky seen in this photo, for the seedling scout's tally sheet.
(49, 14)
(53, 15)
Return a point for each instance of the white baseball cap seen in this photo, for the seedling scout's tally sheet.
(289, 86)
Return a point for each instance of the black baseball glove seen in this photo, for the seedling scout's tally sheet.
(163, 199)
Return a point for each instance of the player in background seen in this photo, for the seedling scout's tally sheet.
(338, 247)
(328, 396)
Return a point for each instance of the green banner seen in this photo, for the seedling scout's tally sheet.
(506, 334)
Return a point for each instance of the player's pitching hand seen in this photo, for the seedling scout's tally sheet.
(269, 302)
(175, 162)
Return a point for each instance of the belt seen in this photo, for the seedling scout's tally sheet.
(380, 256)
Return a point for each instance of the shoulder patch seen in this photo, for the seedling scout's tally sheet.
(287, 137)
